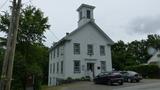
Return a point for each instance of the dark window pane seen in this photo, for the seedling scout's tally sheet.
(102, 50)
(76, 48)
(90, 49)
(80, 15)
(77, 66)
(88, 14)
(61, 67)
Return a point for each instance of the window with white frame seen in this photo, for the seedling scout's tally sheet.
(50, 68)
(90, 49)
(57, 51)
(54, 53)
(62, 51)
(76, 48)
(53, 67)
(102, 50)
(80, 15)
(57, 67)
(103, 66)
(61, 67)
(77, 68)
(50, 56)
(88, 14)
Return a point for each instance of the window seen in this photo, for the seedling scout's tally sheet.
(90, 49)
(76, 48)
(50, 56)
(50, 81)
(102, 50)
(77, 66)
(103, 66)
(61, 67)
(50, 68)
(53, 67)
(88, 14)
(58, 52)
(57, 67)
(80, 15)
(62, 51)
(54, 53)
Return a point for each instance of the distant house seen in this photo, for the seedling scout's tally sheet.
(85, 49)
(155, 59)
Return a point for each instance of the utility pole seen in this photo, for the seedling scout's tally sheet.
(7, 68)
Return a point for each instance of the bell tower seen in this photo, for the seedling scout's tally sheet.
(85, 14)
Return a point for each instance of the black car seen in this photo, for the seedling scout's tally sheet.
(109, 78)
(131, 76)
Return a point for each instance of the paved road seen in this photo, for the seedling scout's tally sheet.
(143, 85)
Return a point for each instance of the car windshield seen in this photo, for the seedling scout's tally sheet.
(132, 73)
(103, 73)
(115, 73)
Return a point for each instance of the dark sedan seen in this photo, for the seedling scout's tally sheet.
(109, 78)
(131, 76)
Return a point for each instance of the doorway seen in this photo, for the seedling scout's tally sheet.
(90, 67)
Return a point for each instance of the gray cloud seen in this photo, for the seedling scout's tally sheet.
(145, 25)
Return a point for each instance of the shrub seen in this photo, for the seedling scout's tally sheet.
(147, 71)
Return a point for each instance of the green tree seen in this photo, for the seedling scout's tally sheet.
(31, 56)
(119, 55)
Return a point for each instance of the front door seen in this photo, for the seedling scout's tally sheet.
(90, 67)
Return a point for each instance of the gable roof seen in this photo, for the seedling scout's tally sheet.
(155, 58)
(64, 39)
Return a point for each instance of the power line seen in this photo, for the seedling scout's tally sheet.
(54, 35)
(3, 4)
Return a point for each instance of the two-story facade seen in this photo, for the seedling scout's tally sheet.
(85, 49)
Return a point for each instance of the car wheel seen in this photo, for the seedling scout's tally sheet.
(137, 80)
(129, 80)
(95, 82)
(109, 83)
(120, 83)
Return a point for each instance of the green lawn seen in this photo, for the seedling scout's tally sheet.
(52, 88)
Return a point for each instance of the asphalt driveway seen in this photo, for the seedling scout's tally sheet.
(146, 84)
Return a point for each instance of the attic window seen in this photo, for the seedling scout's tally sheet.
(158, 55)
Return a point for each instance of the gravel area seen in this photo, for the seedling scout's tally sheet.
(92, 86)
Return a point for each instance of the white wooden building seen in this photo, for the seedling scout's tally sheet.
(155, 59)
(86, 48)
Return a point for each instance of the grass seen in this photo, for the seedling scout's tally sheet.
(75, 84)
(52, 88)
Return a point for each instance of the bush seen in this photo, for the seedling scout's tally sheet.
(147, 71)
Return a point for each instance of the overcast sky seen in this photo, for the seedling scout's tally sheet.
(125, 20)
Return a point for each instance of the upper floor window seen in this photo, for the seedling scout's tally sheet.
(54, 53)
(57, 51)
(50, 56)
(102, 50)
(88, 14)
(77, 66)
(90, 49)
(62, 51)
(76, 48)
(80, 15)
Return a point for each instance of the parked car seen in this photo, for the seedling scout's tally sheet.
(109, 78)
(131, 76)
